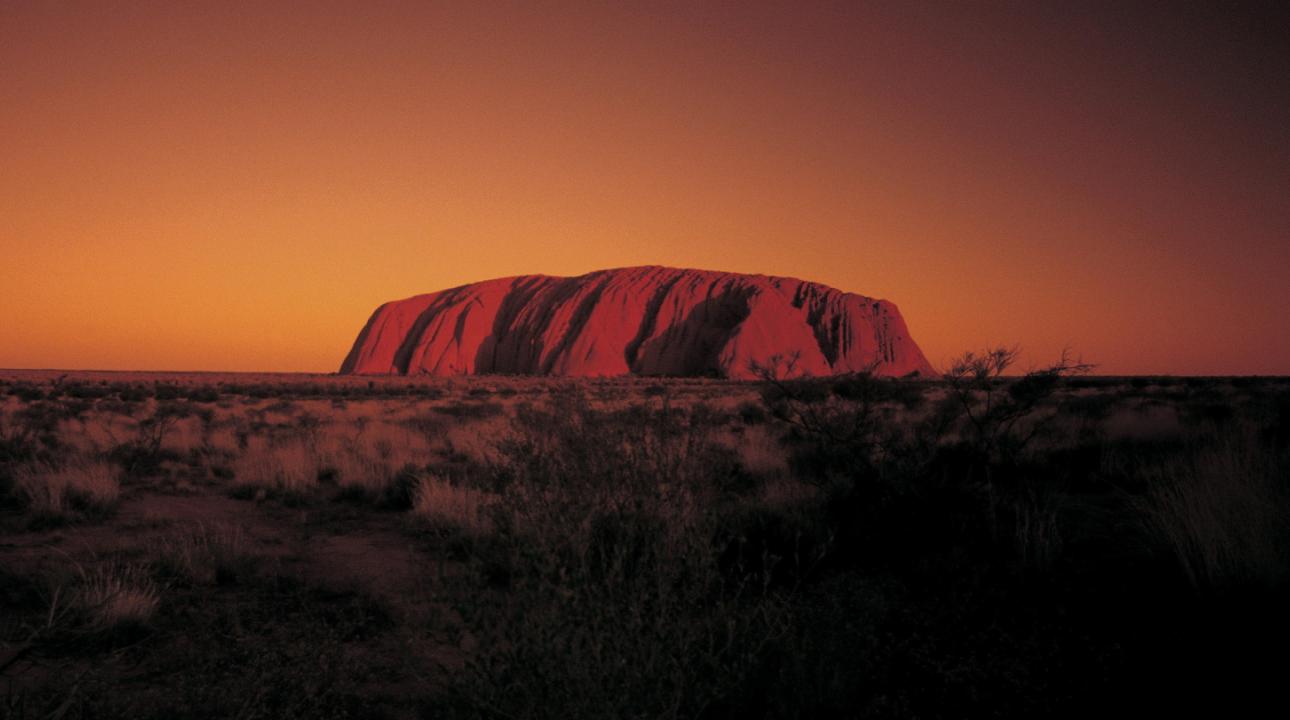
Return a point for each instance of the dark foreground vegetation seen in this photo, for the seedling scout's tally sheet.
(1050, 544)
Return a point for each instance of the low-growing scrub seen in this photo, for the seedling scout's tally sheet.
(985, 545)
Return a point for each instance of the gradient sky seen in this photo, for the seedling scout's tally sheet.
(236, 186)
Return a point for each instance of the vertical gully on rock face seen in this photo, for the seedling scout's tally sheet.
(650, 319)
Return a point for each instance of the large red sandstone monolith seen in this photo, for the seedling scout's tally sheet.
(643, 321)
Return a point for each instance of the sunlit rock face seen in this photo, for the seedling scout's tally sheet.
(642, 321)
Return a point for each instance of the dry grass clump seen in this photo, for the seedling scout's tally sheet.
(373, 457)
(85, 485)
(117, 596)
(1223, 512)
(377, 464)
(457, 507)
(287, 468)
(366, 460)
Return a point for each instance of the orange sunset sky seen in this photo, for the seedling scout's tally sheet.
(236, 186)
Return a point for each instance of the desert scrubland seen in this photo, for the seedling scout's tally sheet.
(292, 546)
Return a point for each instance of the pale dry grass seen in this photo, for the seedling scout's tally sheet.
(461, 508)
(289, 466)
(85, 484)
(372, 457)
(348, 447)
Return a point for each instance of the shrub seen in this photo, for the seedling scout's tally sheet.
(1000, 417)
(143, 454)
(843, 432)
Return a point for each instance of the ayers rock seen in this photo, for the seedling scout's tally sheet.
(643, 321)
